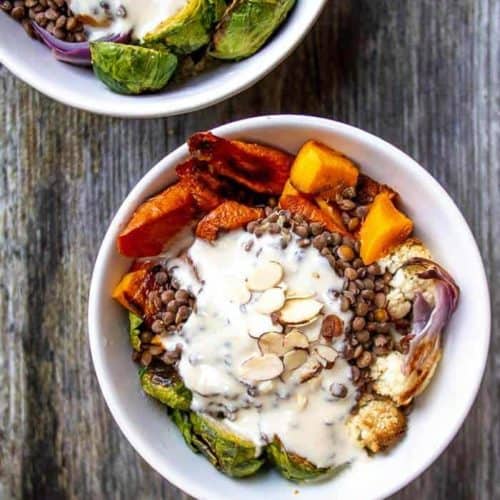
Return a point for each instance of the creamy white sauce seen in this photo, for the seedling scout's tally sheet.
(216, 340)
(122, 16)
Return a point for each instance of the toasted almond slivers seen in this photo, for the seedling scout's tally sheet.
(309, 370)
(260, 368)
(300, 310)
(294, 359)
(301, 401)
(293, 294)
(237, 291)
(271, 343)
(270, 301)
(265, 276)
(266, 387)
(309, 322)
(326, 355)
(295, 339)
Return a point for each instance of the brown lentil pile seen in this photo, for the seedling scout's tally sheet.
(170, 308)
(53, 15)
(365, 288)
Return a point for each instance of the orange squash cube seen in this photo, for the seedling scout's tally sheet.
(319, 168)
(384, 228)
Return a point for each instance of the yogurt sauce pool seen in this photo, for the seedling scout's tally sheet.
(122, 16)
(220, 335)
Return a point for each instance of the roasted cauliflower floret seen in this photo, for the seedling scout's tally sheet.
(377, 424)
(389, 379)
(405, 282)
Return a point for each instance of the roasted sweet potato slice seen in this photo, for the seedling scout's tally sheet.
(260, 168)
(133, 292)
(318, 168)
(229, 215)
(156, 221)
(311, 212)
(384, 228)
(332, 211)
(205, 188)
(289, 190)
(367, 188)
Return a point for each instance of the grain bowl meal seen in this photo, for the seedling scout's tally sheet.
(281, 309)
(138, 47)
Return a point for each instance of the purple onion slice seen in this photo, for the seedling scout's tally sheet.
(429, 323)
(74, 52)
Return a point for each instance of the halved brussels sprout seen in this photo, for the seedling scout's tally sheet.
(294, 467)
(190, 28)
(246, 26)
(225, 450)
(134, 331)
(129, 69)
(165, 385)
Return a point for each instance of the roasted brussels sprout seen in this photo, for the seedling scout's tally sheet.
(230, 453)
(190, 28)
(129, 69)
(296, 468)
(134, 331)
(165, 385)
(246, 26)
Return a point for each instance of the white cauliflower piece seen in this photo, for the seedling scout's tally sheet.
(405, 282)
(377, 424)
(389, 380)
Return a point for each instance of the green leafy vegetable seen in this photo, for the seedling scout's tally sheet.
(135, 323)
(294, 467)
(129, 69)
(189, 29)
(247, 25)
(165, 385)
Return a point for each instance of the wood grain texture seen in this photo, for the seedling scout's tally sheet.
(423, 75)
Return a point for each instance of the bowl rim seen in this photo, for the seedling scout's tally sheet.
(138, 108)
(134, 198)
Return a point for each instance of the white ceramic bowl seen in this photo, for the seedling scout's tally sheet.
(438, 414)
(78, 87)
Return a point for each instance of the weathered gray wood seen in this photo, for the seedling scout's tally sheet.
(424, 75)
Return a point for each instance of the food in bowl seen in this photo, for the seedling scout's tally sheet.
(138, 47)
(280, 308)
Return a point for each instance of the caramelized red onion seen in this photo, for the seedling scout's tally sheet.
(74, 52)
(428, 322)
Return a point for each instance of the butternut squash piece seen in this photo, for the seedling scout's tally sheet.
(129, 292)
(319, 168)
(384, 228)
(311, 212)
(156, 221)
(229, 215)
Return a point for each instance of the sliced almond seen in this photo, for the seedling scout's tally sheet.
(266, 387)
(309, 370)
(294, 294)
(295, 339)
(294, 359)
(300, 310)
(265, 276)
(260, 368)
(270, 301)
(271, 343)
(237, 292)
(308, 322)
(326, 355)
(301, 401)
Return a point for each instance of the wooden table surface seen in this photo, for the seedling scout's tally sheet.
(424, 75)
